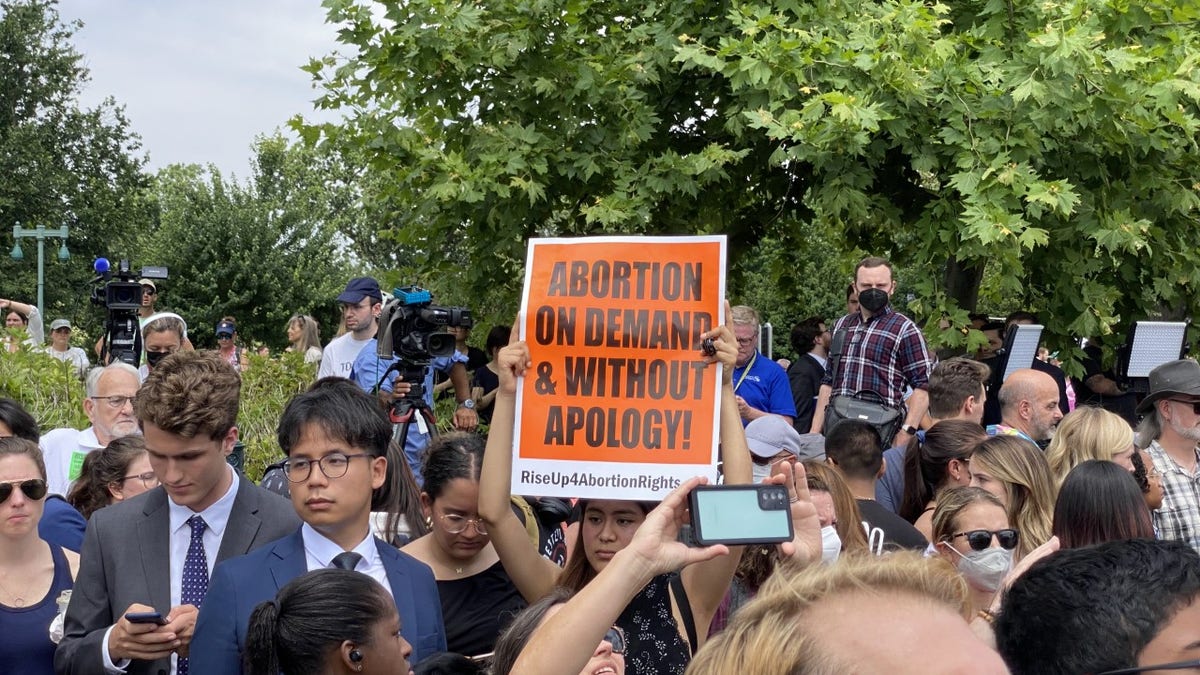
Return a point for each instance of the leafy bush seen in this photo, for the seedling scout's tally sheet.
(54, 396)
(46, 387)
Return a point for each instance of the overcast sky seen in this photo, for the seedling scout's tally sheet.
(199, 80)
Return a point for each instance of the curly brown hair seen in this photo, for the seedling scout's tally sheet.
(191, 394)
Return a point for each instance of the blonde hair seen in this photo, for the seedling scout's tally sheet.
(771, 636)
(1031, 491)
(744, 315)
(822, 476)
(953, 501)
(1088, 432)
(309, 334)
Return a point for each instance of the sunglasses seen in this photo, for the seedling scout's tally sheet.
(34, 488)
(982, 539)
(1194, 403)
(768, 461)
(615, 637)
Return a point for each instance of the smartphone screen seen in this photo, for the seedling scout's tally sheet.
(741, 514)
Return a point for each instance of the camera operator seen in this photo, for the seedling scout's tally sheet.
(369, 367)
(147, 314)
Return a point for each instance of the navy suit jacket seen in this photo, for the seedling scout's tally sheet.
(240, 584)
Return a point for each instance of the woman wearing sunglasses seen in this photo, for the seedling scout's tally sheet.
(971, 530)
(118, 472)
(32, 572)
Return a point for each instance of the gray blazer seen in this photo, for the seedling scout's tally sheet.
(125, 559)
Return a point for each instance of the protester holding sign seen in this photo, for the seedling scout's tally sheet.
(689, 600)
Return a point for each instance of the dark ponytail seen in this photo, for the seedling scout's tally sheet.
(102, 468)
(926, 463)
(310, 616)
(262, 657)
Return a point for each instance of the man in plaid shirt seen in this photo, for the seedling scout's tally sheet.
(1172, 421)
(883, 354)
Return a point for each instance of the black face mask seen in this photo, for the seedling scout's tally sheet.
(873, 299)
(152, 358)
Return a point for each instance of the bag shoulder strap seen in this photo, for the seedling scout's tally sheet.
(685, 609)
(835, 357)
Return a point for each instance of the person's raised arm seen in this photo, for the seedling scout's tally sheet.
(706, 583)
(565, 642)
(533, 575)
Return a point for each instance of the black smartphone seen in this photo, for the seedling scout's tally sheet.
(145, 617)
(740, 514)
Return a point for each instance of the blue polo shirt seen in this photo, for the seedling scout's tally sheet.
(367, 370)
(764, 385)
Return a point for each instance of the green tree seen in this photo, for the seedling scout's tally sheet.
(62, 164)
(259, 251)
(1049, 147)
(489, 124)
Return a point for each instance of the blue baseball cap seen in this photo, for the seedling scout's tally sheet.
(226, 328)
(359, 288)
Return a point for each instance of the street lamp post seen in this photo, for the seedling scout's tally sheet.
(40, 233)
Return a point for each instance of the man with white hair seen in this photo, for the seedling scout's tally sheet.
(761, 385)
(109, 406)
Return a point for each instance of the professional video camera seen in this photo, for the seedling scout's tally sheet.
(121, 298)
(412, 331)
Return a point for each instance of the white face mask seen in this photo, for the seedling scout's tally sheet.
(985, 569)
(831, 544)
(760, 473)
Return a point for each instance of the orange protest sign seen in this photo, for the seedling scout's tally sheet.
(618, 387)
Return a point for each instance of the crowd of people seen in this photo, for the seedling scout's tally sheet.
(927, 537)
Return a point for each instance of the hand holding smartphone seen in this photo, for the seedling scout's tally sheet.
(741, 514)
(146, 617)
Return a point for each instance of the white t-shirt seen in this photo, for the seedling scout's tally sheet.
(339, 355)
(73, 355)
(64, 450)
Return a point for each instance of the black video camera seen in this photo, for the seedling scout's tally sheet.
(120, 294)
(412, 331)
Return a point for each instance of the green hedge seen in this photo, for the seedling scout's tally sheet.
(54, 396)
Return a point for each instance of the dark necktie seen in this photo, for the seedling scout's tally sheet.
(195, 576)
(346, 561)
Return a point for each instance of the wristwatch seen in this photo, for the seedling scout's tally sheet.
(469, 404)
(909, 429)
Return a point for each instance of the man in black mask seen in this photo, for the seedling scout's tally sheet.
(878, 356)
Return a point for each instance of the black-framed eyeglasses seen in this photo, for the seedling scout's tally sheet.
(615, 637)
(333, 465)
(982, 539)
(114, 402)
(34, 488)
(1194, 403)
(456, 524)
(149, 480)
(1176, 665)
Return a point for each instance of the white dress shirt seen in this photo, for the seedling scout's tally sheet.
(319, 553)
(216, 518)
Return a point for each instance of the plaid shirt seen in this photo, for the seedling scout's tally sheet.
(1179, 516)
(881, 355)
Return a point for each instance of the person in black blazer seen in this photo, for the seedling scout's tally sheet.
(810, 338)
